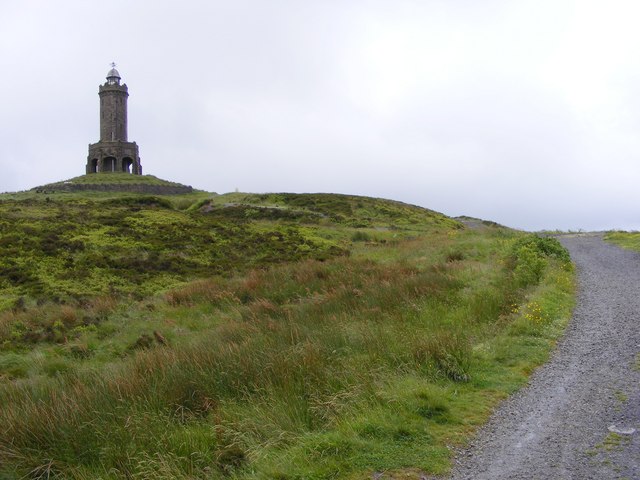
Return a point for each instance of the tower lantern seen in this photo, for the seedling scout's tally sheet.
(113, 77)
(113, 152)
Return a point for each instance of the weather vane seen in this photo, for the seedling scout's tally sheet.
(113, 64)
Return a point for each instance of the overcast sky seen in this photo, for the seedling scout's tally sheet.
(522, 112)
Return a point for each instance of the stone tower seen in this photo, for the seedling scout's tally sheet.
(113, 153)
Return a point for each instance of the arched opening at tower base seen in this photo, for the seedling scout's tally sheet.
(126, 164)
(109, 164)
(93, 166)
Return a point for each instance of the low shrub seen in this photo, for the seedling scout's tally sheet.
(360, 236)
(529, 256)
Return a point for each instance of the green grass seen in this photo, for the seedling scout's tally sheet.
(629, 240)
(58, 191)
(261, 336)
(117, 178)
(350, 210)
(72, 249)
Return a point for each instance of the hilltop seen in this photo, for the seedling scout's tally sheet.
(116, 182)
(275, 335)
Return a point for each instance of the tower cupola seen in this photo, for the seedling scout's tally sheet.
(113, 77)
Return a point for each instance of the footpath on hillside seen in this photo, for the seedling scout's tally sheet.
(579, 418)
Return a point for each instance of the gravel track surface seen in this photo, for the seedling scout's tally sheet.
(579, 418)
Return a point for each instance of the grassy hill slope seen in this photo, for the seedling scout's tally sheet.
(281, 335)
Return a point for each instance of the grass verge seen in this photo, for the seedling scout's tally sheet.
(629, 240)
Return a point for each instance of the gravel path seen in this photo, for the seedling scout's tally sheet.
(579, 418)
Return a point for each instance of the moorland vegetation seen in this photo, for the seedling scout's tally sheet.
(624, 239)
(289, 336)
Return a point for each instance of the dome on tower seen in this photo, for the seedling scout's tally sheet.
(113, 73)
